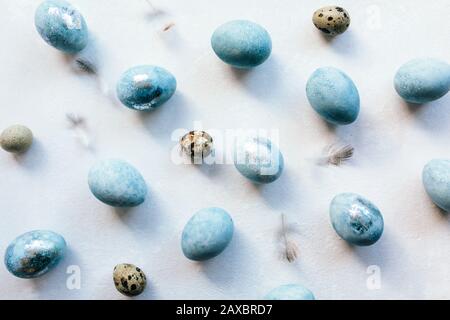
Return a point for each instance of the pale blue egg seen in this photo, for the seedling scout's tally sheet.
(290, 292)
(356, 219)
(436, 180)
(34, 253)
(117, 183)
(145, 87)
(333, 95)
(422, 80)
(258, 159)
(241, 43)
(61, 26)
(207, 234)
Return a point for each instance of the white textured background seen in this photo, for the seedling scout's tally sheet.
(47, 187)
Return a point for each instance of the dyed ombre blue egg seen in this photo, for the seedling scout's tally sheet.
(145, 87)
(34, 253)
(241, 43)
(356, 219)
(117, 183)
(207, 234)
(290, 292)
(258, 159)
(333, 95)
(61, 26)
(422, 80)
(436, 180)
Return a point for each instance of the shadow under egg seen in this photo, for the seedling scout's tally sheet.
(144, 218)
(434, 116)
(34, 158)
(232, 264)
(162, 121)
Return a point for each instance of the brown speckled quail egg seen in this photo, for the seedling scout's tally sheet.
(197, 145)
(331, 20)
(129, 279)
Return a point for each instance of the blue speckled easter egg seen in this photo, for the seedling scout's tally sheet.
(117, 183)
(290, 292)
(241, 43)
(333, 95)
(207, 234)
(34, 253)
(436, 180)
(258, 159)
(145, 87)
(61, 26)
(356, 219)
(422, 80)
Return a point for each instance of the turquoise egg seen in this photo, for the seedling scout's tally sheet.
(422, 80)
(333, 95)
(61, 26)
(207, 234)
(145, 87)
(290, 292)
(241, 43)
(34, 253)
(355, 219)
(117, 183)
(436, 180)
(258, 159)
